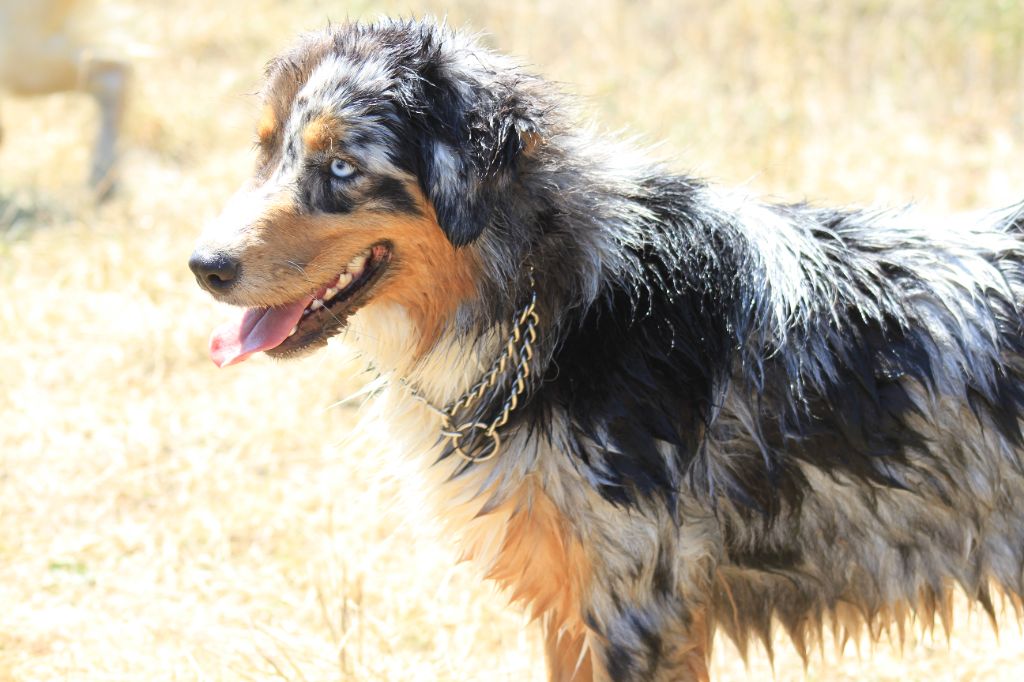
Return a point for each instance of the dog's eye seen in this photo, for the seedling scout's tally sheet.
(343, 170)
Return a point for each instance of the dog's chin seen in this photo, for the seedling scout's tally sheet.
(328, 315)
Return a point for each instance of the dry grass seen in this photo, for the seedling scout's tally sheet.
(161, 519)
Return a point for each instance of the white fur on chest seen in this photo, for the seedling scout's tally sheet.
(387, 337)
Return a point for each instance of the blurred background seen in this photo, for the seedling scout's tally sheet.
(161, 519)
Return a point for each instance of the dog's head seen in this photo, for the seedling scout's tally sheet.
(384, 153)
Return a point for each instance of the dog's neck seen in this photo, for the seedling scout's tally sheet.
(387, 336)
(471, 424)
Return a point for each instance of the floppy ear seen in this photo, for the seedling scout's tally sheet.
(469, 152)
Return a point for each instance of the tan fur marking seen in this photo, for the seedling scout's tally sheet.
(689, 659)
(288, 255)
(435, 276)
(531, 140)
(321, 133)
(267, 124)
(540, 561)
(563, 651)
(542, 565)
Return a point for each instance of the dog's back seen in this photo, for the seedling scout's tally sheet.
(868, 437)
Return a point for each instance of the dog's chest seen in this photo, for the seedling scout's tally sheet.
(498, 512)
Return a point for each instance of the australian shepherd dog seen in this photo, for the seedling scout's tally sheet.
(651, 409)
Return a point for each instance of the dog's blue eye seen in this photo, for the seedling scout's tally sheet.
(343, 170)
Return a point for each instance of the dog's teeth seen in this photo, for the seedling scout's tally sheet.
(294, 329)
(344, 281)
(330, 293)
(316, 304)
(356, 264)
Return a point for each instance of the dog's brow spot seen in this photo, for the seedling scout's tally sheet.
(319, 135)
(267, 124)
(531, 141)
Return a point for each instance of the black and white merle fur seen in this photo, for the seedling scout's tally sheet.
(742, 414)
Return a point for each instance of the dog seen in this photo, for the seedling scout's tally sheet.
(39, 55)
(650, 408)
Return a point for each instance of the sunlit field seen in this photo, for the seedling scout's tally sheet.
(162, 519)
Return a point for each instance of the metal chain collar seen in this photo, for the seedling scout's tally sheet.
(518, 353)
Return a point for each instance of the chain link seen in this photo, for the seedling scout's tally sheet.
(518, 353)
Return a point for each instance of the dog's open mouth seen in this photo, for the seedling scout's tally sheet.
(306, 323)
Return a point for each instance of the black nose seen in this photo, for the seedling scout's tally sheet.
(215, 272)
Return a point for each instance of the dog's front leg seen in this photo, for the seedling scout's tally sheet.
(660, 640)
(646, 606)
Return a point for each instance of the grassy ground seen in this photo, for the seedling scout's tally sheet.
(161, 519)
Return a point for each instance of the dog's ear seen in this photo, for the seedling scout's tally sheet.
(472, 143)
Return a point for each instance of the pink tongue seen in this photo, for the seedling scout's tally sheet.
(257, 329)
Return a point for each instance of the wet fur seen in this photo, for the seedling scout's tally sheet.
(740, 414)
